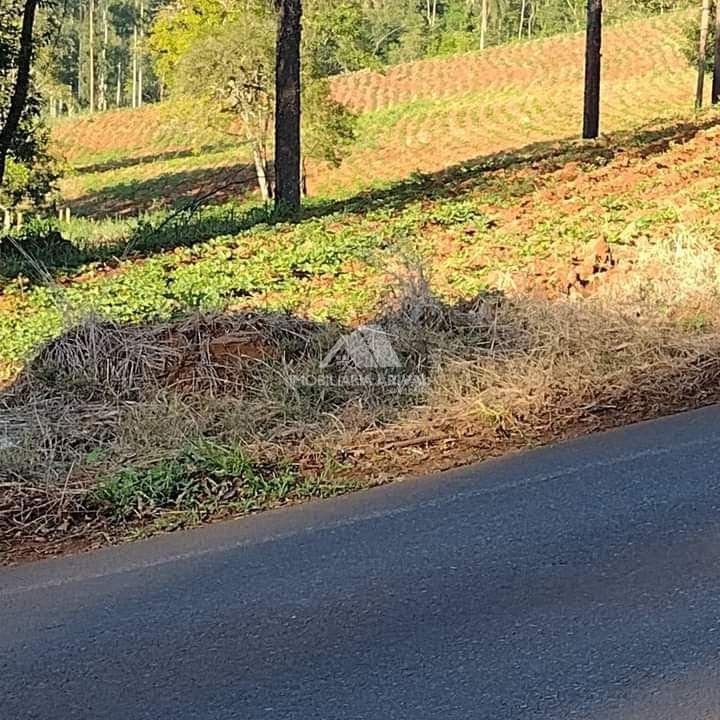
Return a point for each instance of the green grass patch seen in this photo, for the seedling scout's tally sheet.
(200, 482)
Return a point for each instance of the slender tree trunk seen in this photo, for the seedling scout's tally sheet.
(118, 86)
(134, 65)
(716, 58)
(261, 171)
(141, 34)
(103, 84)
(531, 19)
(91, 55)
(80, 58)
(593, 55)
(483, 23)
(522, 19)
(287, 105)
(22, 84)
(702, 57)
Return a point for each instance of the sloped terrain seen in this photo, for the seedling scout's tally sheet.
(420, 116)
(504, 221)
(163, 372)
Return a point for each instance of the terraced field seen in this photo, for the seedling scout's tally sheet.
(446, 111)
(420, 116)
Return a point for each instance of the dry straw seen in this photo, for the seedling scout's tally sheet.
(502, 372)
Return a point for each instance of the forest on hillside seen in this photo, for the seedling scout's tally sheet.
(110, 53)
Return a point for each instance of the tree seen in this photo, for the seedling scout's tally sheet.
(16, 59)
(91, 54)
(716, 57)
(27, 171)
(219, 66)
(288, 105)
(593, 56)
(218, 62)
(103, 84)
(483, 24)
(702, 54)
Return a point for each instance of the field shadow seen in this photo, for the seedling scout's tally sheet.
(238, 181)
(198, 214)
(171, 190)
(120, 164)
(545, 157)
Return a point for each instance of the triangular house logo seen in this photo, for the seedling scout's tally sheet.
(367, 348)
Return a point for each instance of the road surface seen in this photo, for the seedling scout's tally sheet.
(579, 581)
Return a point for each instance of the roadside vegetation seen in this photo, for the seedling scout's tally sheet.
(175, 350)
(567, 289)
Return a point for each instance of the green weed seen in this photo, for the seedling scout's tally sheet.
(199, 483)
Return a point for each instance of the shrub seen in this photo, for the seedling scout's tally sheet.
(690, 42)
(32, 248)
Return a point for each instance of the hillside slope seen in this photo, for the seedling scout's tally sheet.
(538, 289)
(420, 116)
(544, 296)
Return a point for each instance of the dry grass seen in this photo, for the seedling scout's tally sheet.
(502, 371)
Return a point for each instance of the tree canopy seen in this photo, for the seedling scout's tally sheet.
(220, 58)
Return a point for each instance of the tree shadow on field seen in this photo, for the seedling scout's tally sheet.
(199, 214)
(120, 164)
(544, 158)
(171, 190)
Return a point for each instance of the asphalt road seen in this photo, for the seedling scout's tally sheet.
(580, 581)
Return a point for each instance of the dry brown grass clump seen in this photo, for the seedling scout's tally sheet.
(495, 373)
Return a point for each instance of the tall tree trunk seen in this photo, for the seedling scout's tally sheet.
(261, 170)
(134, 65)
(531, 19)
(483, 23)
(593, 55)
(716, 58)
(702, 57)
(287, 105)
(22, 84)
(522, 19)
(80, 57)
(103, 84)
(141, 34)
(91, 56)
(118, 87)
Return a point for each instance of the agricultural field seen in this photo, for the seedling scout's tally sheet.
(541, 286)
(417, 117)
